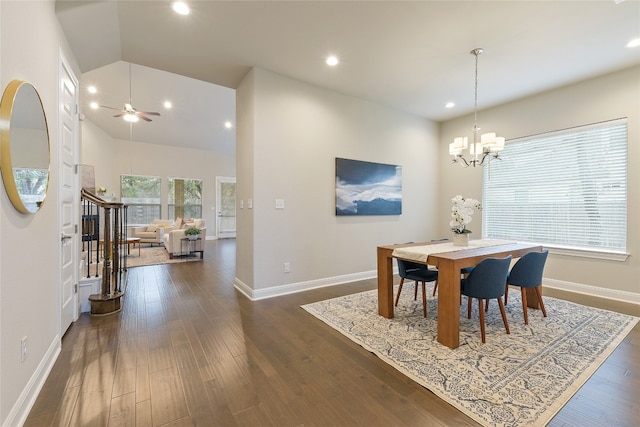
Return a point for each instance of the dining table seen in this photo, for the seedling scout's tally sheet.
(449, 260)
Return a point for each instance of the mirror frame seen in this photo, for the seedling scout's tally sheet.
(6, 166)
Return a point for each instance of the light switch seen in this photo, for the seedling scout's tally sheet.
(250, 203)
(241, 204)
(279, 203)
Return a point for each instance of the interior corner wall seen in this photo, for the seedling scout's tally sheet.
(245, 179)
(30, 41)
(298, 131)
(603, 98)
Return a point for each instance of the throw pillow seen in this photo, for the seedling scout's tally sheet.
(152, 227)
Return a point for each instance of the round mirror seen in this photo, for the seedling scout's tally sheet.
(24, 146)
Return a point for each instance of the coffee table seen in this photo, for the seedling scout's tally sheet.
(129, 241)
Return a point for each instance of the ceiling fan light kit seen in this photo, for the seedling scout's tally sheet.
(128, 112)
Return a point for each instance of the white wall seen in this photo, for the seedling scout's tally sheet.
(298, 131)
(112, 158)
(97, 150)
(30, 42)
(608, 97)
(245, 178)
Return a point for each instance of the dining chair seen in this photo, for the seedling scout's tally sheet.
(486, 281)
(417, 272)
(527, 273)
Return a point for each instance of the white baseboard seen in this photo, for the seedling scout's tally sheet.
(612, 294)
(20, 411)
(276, 291)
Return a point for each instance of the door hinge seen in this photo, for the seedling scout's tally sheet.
(75, 227)
(75, 169)
(75, 288)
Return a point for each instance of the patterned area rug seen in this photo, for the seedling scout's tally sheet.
(512, 380)
(155, 255)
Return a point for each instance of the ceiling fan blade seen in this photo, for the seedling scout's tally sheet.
(110, 108)
(149, 113)
(144, 118)
(119, 115)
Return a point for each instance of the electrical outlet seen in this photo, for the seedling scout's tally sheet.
(287, 267)
(23, 349)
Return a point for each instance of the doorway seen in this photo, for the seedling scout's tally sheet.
(226, 204)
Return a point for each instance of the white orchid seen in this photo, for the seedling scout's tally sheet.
(461, 212)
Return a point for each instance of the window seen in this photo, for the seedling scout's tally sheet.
(142, 195)
(564, 189)
(185, 198)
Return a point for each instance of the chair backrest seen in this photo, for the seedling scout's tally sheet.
(487, 279)
(527, 272)
(406, 266)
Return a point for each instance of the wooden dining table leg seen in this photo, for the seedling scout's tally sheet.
(532, 298)
(385, 283)
(448, 304)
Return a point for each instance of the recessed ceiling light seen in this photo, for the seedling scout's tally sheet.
(180, 7)
(228, 125)
(94, 105)
(167, 104)
(332, 60)
(449, 105)
(634, 43)
(92, 89)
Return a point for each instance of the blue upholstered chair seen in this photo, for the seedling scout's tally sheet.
(527, 273)
(419, 273)
(487, 281)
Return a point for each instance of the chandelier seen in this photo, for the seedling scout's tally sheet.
(486, 148)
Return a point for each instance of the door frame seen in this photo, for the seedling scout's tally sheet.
(219, 181)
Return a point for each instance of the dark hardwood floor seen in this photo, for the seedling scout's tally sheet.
(188, 349)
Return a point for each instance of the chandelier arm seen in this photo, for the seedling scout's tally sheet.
(464, 163)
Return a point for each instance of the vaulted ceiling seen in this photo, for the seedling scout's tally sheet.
(411, 56)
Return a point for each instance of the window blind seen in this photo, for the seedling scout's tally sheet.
(566, 189)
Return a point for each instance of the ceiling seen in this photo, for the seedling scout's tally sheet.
(411, 56)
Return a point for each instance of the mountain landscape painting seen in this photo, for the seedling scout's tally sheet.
(366, 188)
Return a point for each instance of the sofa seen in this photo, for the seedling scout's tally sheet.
(174, 244)
(152, 233)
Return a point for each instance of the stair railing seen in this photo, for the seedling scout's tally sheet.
(111, 217)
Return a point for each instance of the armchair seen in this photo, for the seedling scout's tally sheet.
(152, 233)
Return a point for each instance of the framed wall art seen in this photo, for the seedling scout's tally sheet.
(366, 188)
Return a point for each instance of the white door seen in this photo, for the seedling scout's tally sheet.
(226, 204)
(69, 194)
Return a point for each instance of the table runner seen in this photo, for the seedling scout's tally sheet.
(421, 253)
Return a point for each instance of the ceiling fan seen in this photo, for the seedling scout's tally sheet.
(128, 112)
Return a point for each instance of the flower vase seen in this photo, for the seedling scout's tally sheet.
(192, 237)
(461, 239)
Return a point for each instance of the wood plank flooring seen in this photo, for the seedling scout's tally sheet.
(189, 350)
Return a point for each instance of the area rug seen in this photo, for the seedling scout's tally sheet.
(155, 255)
(513, 380)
